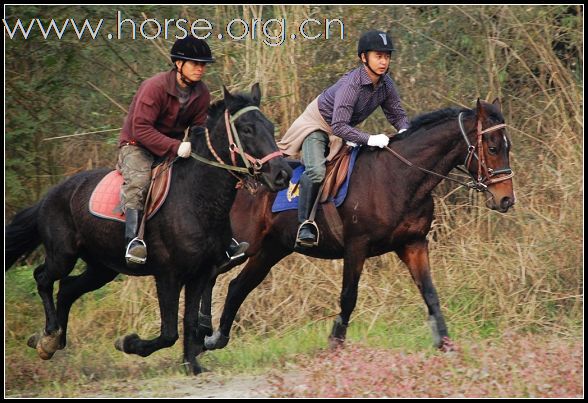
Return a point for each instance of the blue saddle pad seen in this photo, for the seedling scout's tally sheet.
(288, 200)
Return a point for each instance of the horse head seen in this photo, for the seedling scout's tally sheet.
(251, 139)
(488, 156)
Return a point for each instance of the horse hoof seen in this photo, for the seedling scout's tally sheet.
(447, 345)
(119, 343)
(336, 343)
(33, 340)
(190, 369)
(46, 345)
(216, 341)
(44, 355)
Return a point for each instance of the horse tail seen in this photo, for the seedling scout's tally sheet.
(21, 235)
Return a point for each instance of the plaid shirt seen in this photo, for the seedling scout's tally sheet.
(353, 98)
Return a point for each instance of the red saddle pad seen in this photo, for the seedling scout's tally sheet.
(105, 199)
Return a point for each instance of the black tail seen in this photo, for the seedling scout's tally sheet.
(21, 235)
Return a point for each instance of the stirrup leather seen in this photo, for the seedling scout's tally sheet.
(132, 258)
(306, 243)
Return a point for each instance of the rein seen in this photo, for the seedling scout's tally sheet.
(480, 183)
(253, 165)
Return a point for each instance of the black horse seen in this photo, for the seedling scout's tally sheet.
(389, 207)
(185, 238)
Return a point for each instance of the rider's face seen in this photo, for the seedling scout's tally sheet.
(378, 61)
(191, 69)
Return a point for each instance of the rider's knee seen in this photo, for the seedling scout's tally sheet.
(316, 174)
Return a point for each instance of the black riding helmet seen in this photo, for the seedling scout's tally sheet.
(191, 48)
(374, 40)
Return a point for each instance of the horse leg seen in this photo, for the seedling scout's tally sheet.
(354, 259)
(168, 294)
(47, 342)
(416, 256)
(73, 287)
(205, 313)
(250, 277)
(194, 330)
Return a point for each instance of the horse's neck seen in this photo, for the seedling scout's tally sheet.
(217, 140)
(209, 178)
(437, 149)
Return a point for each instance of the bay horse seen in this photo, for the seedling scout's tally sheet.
(389, 207)
(186, 238)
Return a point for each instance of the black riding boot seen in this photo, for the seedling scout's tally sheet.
(235, 255)
(136, 251)
(307, 233)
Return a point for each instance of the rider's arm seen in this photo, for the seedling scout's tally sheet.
(148, 107)
(393, 109)
(345, 99)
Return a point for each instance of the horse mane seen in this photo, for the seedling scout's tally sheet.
(432, 118)
(442, 115)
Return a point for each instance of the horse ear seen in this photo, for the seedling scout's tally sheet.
(227, 95)
(480, 110)
(496, 102)
(256, 94)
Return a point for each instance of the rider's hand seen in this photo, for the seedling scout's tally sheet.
(378, 140)
(185, 149)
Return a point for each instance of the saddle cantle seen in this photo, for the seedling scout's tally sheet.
(105, 200)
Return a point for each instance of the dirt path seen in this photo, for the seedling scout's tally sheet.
(510, 366)
(207, 385)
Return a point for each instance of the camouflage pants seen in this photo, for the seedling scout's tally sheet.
(134, 163)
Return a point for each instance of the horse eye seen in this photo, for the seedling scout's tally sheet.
(247, 130)
(492, 150)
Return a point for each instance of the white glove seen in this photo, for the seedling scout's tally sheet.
(378, 140)
(401, 130)
(185, 149)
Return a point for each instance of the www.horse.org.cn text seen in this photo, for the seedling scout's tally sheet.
(272, 32)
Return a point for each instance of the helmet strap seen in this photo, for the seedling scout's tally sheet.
(185, 79)
(367, 64)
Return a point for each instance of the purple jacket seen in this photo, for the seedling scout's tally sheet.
(353, 98)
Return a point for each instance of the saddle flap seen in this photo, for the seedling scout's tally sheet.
(336, 173)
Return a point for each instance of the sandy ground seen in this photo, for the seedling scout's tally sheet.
(206, 385)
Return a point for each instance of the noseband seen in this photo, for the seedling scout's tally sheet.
(235, 145)
(486, 176)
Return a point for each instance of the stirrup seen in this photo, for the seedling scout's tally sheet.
(132, 258)
(304, 243)
(239, 252)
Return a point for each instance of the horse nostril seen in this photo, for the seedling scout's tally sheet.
(506, 202)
